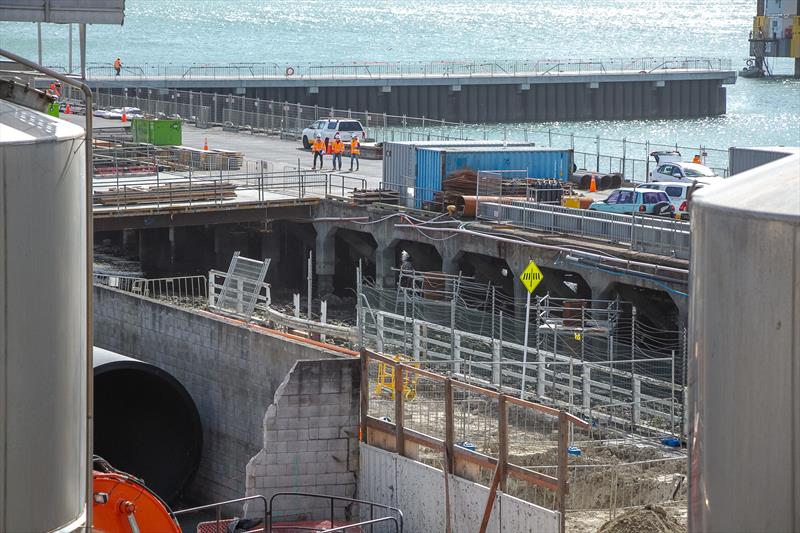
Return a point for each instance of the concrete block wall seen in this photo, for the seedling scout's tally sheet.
(418, 491)
(231, 370)
(310, 439)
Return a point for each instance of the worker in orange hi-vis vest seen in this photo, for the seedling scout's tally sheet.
(318, 149)
(337, 147)
(117, 66)
(355, 151)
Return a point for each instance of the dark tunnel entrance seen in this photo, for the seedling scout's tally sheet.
(145, 423)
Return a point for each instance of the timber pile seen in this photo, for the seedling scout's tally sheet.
(168, 193)
(371, 196)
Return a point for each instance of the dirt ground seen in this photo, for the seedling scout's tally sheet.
(592, 521)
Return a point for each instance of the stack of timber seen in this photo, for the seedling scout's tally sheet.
(371, 196)
(168, 193)
(198, 159)
(460, 189)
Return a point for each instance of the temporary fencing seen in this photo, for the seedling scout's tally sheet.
(595, 358)
(187, 291)
(607, 155)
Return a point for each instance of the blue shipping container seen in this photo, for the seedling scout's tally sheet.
(434, 164)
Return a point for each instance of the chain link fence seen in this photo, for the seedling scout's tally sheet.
(629, 158)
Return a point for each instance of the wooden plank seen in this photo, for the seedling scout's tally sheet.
(364, 400)
(563, 472)
(502, 438)
(384, 432)
(447, 460)
(487, 511)
(475, 388)
(547, 410)
(427, 373)
(399, 415)
(380, 357)
(422, 439)
(536, 478)
(449, 425)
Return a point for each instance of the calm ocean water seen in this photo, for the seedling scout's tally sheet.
(286, 31)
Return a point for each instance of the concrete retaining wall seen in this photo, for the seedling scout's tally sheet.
(310, 439)
(231, 370)
(418, 490)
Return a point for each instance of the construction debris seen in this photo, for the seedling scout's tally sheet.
(650, 518)
(371, 196)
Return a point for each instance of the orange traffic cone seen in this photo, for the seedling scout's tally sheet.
(205, 144)
(593, 185)
(124, 117)
(67, 110)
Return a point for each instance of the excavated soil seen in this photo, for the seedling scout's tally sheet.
(650, 518)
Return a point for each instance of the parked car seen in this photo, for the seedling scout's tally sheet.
(630, 200)
(684, 172)
(346, 128)
(101, 113)
(666, 156)
(679, 193)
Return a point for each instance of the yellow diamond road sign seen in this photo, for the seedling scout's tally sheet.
(531, 276)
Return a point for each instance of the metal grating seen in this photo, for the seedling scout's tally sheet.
(242, 285)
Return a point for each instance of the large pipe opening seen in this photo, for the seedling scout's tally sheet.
(145, 423)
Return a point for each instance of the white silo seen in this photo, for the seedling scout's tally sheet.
(744, 368)
(42, 322)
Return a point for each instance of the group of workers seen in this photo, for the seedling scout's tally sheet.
(336, 149)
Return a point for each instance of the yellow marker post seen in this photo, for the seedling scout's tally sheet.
(531, 277)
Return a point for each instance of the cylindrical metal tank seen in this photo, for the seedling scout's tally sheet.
(744, 367)
(145, 423)
(42, 322)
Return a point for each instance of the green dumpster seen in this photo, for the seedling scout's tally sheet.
(165, 132)
(140, 128)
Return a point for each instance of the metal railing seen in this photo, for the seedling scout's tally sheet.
(404, 69)
(593, 152)
(396, 519)
(236, 305)
(237, 299)
(220, 523)
(181, 289)
(120, 193)
(644, 233)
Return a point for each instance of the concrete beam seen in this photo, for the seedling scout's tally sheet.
(384, 263)
(325, 262)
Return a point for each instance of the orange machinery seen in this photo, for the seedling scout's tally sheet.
(123, 504)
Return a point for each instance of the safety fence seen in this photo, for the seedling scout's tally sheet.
(198, 190)
(187, 291)
(251, 301)
(389, 386)
(401, 69)
(643, 233)
(631, 158)
(585, 356)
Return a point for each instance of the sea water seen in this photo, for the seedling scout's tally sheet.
(759, 112)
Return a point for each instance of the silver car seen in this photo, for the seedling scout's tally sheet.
(683, 172)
